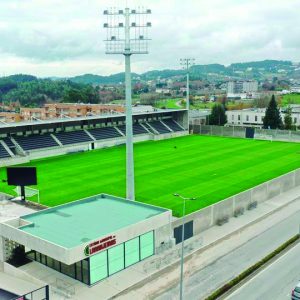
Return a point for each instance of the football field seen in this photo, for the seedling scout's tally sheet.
(208, 168)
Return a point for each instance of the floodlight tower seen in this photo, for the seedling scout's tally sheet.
(186, 64)
(127, 34)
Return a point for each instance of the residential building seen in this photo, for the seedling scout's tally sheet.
(10, 117)
(253, 117)
(242, 89)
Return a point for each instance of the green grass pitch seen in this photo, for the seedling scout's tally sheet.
(209, 168)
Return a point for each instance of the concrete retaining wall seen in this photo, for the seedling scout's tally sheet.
(208, 217)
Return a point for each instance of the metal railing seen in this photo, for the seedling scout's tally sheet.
(39, 294)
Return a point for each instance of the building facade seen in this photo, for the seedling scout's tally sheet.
(242, 89)
(90, 239)
(254, 117)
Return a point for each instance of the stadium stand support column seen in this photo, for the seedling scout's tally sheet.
(167, 126)
(56, 140)
(19, 149)
(178, 124)
(143, 125)
(7, 149)
(89, 135)
(120, 131)
(152, 129)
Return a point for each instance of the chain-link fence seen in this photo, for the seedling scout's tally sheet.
(240, 132)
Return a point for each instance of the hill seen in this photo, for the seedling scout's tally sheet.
(256, 70)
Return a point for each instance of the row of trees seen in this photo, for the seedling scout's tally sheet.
(31, 91)
(272, 119)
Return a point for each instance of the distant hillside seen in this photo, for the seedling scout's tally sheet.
(265, 64)
(98, 79)
(255, 70)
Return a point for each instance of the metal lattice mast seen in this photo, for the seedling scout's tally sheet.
(186, 64)
(128, 39)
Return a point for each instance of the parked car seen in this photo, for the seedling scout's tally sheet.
(296, 292)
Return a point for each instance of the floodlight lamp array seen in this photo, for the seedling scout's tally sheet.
(127, 31)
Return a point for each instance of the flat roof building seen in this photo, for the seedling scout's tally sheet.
(90, 239)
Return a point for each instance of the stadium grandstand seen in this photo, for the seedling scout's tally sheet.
(23, 141)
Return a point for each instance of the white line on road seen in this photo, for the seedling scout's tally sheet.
(262, 271)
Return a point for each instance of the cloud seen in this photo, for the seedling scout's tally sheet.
(51, 37)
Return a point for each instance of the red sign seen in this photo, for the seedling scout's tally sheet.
(100, 245)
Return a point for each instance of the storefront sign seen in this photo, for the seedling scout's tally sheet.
(100, 245)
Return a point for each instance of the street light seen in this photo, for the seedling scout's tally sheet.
(127, 34)
(186, 64)
(182, 243)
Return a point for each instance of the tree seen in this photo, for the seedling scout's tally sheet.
(272, 119)
(288, 121)
(218, 115)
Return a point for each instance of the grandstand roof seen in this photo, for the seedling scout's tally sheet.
(80, 119)
(87, 219)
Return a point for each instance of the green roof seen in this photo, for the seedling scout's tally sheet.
(79, 222)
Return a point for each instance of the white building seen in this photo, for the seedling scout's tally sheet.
(241, 88)
(295, 89)
(254, 117)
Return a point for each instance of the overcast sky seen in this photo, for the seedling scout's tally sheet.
(65, 38)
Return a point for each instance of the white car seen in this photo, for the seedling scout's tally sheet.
(296, 292)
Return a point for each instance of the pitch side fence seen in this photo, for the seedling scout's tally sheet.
(240, 132)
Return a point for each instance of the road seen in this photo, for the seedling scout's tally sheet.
(205, 281)
(275, 282)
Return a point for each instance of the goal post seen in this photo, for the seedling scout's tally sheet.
(30, 192)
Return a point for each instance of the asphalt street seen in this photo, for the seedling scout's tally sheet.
(275, 282)
(205, 281)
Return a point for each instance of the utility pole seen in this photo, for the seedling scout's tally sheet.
(127, 34)
(186, 64)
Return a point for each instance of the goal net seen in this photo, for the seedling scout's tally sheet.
(29, 192)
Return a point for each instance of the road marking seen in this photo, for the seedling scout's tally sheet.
(261, 272)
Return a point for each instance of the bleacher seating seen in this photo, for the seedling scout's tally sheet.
(159, 127)
(104, 133)
(10, 144)
(73, 137)
(172, 125)
(33, 142)
(3, 152)
(137, 129)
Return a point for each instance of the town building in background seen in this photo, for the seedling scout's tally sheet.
(242, 89)
(71, 110)
(253, 117)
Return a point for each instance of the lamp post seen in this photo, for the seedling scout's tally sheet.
(127, 34)
(186, 64)
(182, 243)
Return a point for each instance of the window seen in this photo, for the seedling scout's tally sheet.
(68, 270)
(132, 252)
(56, 265)
(43, 259)
(232, 117)
(295, 120)
(50, 262)
(78, 271)
(255, 118)
(247, 118)
(239, 117)
(85, 271)
(98, 265)
(116, 259)
(147, 244)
